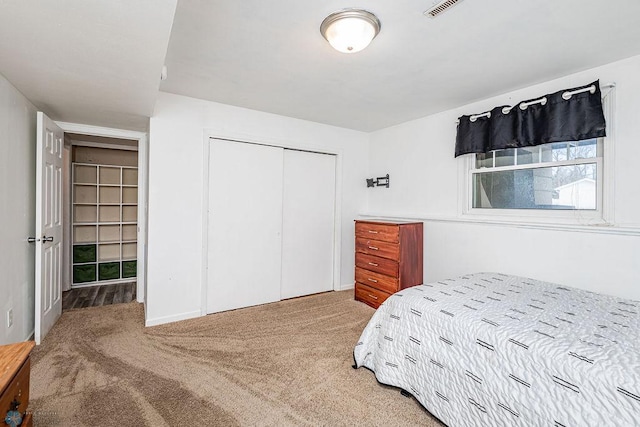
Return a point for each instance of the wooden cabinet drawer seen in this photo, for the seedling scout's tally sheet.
(378, 248)
(384, 266)
(17, 389)
(370, 296)
(384, 232)
(377, 280)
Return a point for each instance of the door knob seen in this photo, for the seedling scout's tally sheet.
(32, 240)
(47, 239)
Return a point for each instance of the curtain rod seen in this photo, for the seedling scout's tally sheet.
(523, 105)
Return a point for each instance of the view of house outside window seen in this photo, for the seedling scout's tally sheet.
(554, 176)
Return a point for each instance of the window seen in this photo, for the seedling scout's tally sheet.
(559, 183)
(554, 176)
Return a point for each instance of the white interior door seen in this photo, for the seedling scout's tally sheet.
(49, 226)
(308, 223)
(245, 225)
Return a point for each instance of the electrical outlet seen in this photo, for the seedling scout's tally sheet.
(10, 318)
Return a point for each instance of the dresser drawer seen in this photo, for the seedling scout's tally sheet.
(370, 296)
(377, 280)
(17, 389)
(384, 232)
(378, 248)
(384, 266)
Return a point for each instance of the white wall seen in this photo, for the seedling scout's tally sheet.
(175, 238)
(17, 212)
(419, 156)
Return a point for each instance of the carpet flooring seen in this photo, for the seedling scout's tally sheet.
(286, 363)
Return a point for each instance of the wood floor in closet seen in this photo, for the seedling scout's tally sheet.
(96, 296)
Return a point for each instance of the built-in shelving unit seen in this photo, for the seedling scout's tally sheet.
(104, 217)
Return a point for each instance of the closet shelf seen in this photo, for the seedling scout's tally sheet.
(104, 223)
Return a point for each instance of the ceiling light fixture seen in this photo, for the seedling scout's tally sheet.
(350, 30)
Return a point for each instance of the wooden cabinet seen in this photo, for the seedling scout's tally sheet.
(14, 380)
(388, 259)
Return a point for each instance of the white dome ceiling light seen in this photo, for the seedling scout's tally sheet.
(350, 30)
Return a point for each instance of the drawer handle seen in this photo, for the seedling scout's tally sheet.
(373, 263)
(373, 248)
(373, 280)
(373, 232)
(373, 296)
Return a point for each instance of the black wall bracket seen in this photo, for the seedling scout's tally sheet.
(382, 181)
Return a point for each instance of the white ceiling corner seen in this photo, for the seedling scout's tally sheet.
(98, 62)
(87, 61)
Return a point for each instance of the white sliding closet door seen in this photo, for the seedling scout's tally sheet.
(245, 225)
(308, 223)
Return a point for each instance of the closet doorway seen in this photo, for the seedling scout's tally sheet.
(271, 224)
(102, 182)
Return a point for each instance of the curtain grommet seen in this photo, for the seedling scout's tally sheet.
(475, 117)
(568, 94)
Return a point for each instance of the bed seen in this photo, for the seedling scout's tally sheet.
(491, 349)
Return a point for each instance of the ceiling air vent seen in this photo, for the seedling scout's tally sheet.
(440, 7)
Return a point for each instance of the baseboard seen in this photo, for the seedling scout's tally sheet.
(346, 286)
(174, 318)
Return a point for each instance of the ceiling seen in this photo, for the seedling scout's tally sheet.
(94, 62)
(98, 62)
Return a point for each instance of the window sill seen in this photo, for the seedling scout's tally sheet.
(598, 228)
(584, 218)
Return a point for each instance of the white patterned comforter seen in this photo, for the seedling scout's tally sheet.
(490, 349)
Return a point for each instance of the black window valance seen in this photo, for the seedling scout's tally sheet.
(567, 115)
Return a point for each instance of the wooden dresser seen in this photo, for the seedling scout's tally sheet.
(14, 380)
(388, 259)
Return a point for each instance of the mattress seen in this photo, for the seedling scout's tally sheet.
(491, 349)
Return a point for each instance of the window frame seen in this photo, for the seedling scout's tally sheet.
(602, 215)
